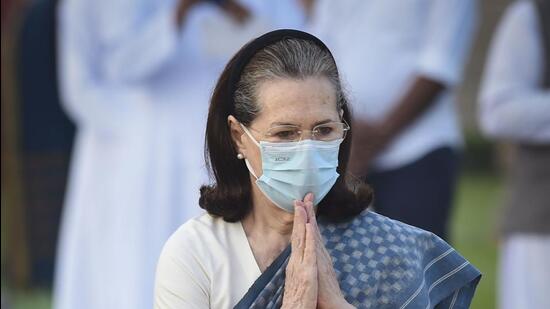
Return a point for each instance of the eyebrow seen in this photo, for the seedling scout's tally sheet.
(278, 123)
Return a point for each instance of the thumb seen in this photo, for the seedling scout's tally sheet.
(309, 197)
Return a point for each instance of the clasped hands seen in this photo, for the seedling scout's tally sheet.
(310, 278)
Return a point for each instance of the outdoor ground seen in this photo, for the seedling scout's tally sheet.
(472, 230)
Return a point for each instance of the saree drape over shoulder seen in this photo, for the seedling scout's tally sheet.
(381, 263)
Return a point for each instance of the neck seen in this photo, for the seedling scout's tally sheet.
(268, 221)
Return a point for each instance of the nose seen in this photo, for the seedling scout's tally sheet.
(305, 136)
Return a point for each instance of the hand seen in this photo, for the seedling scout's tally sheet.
(329, 293)
(368, 141)
(301, 272)
(182, 10)
(237, 11)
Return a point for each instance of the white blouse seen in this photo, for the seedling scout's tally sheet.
(206, 263)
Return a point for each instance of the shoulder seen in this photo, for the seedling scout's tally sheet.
(202, 224)
(185, 265)
(413, 248)
(374, 224)
(380, 235)
(202, 240)
(425, 263)
(377, 221)
(191, 250)
(402, 234)
(405, 261)
(193, 234)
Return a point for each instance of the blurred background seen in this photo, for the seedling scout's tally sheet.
(37, 139)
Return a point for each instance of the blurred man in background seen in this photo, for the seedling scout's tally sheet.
(136, 77)
(402, 60)
(515, 108)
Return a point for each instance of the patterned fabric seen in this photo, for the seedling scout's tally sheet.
(381, 263)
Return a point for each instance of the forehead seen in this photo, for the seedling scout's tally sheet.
(296, 101)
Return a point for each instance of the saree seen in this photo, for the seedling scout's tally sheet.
(380, 263)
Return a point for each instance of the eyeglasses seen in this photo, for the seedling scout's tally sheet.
(329, 131)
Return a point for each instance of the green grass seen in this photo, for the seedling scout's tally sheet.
(473, 231)
(472, 234)
(35, 299)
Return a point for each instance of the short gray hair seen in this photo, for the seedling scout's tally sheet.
(290, 59)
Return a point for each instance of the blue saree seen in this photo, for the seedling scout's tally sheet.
(381, 263)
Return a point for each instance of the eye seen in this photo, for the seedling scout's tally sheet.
(288, 134)
(324, 130)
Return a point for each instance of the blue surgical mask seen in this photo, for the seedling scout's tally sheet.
(293, 169)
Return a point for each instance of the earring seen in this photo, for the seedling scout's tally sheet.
(240, 156)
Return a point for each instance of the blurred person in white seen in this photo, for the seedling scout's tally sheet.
(136, 78)
(402, 61)
(515, 108)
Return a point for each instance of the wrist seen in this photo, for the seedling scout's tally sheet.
(182, 11)
(389, 129)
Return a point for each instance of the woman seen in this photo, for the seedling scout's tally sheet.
(278, 140)
(128, 71)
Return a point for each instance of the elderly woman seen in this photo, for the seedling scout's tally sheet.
(285, 227)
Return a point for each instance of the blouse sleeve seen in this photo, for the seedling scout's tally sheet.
(181, 279)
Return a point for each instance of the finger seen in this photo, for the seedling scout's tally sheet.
(309, 211)
(317, 232)
(309, 197)
(298, 229)
(313, 221)
(310, 256)
(308, 202)
(322, 252)
(319, 238)
(300, 204)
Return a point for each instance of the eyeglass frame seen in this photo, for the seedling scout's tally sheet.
(346, 128)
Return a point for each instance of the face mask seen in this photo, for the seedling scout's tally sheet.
(293, 169)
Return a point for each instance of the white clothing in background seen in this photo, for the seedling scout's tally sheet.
(381, 45)
(524, 272)
(138, 89)
(186, 266)
(514, 106)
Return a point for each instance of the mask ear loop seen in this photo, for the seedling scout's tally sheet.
(250, 135)
(248, 165)
(250, 168)
(342, 117)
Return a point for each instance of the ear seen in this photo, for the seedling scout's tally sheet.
(237, 133)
